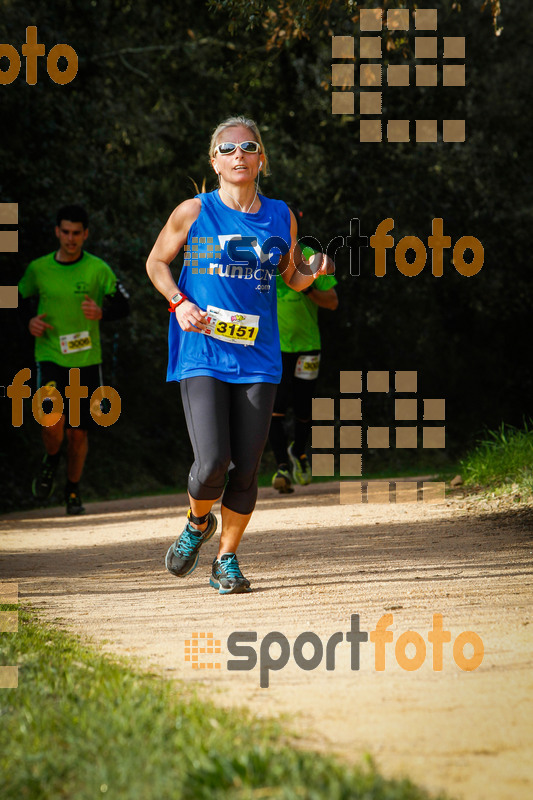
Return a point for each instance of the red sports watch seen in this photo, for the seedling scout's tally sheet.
(176, 301)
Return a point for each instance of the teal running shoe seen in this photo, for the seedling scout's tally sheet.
(227, 577)
(182, 557)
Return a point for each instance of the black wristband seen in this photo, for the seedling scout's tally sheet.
(308, 290)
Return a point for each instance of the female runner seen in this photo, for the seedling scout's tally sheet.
(223, 338)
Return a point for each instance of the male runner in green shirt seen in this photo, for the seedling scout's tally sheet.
(300, 354)
(75, 290)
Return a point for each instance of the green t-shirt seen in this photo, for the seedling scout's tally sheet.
(298, 316)
(74, 340)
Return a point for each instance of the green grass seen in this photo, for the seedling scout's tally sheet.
(502, 461)
(81, 725)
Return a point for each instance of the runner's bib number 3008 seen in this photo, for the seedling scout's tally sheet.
(231, 326)
(307, 367)
(75, 342)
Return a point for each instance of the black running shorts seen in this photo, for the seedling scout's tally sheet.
(51, 375)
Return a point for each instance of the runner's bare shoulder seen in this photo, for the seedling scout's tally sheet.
(185, 214)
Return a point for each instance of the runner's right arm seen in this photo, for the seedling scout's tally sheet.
(166, 248)
(27, 313)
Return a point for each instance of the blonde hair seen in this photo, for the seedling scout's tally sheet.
(235, 122)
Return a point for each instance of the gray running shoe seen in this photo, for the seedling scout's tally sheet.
(183, 555)
(227, 577)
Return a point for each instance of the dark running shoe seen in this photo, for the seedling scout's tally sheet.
(281, 481)
(43, 484)
(73, 502)
(183, 555)
(227, 577)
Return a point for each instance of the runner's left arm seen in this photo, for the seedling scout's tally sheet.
(299, 273)
(116, 305)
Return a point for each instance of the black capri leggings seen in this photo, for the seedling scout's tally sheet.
(228, 426)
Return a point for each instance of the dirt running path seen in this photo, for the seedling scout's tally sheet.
(313, 564)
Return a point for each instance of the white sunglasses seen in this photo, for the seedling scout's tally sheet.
(227, 148)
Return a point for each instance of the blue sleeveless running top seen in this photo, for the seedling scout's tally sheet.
(230, 266)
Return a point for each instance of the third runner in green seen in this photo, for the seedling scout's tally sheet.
(300, 354)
